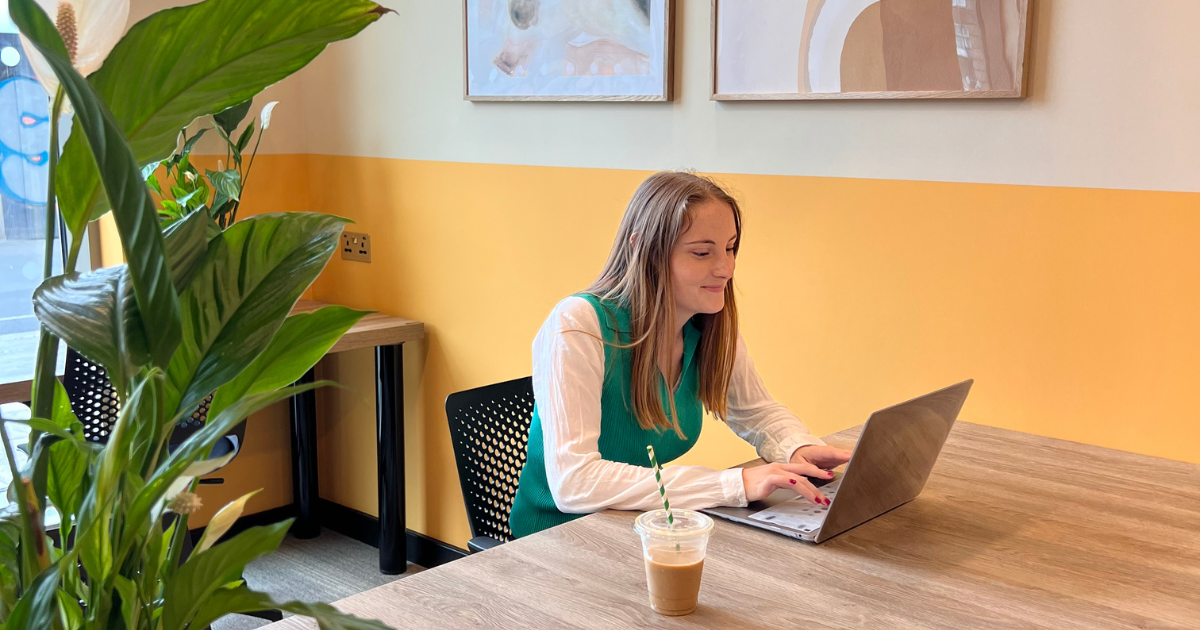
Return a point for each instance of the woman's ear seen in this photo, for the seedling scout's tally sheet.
(633, 239)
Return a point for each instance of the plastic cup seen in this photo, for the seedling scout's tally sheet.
(674, 558)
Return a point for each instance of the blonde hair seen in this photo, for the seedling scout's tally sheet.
(638, 275)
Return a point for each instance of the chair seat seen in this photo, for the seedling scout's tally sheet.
(222, 448)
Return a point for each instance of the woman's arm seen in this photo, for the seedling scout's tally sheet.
(775, 432)
(568, 376)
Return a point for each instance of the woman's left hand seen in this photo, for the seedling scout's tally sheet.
(826, 457)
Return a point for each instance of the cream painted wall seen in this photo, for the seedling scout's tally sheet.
(1112, 105)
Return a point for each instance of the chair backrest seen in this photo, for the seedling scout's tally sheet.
(94, 401)
(489, 427)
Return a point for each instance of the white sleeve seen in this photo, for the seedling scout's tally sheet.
(568, 376)
(773, 430)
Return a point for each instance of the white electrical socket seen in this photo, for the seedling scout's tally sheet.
(356, 246)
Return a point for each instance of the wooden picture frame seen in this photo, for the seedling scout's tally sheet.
(664, 93)
(1016, 88)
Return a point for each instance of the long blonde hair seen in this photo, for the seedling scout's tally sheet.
(638, 275)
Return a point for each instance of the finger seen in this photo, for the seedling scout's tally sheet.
(798, 484)
(812, 470)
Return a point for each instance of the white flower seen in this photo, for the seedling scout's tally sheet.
(89, 28)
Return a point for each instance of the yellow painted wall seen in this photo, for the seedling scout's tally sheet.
(1074, 309)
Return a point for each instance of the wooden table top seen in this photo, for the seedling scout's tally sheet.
(375, 329)
(1011, 531)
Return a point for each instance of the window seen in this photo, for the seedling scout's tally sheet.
(24, 157)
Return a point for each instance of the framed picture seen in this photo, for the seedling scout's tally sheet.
(869, 49)
(567, 50)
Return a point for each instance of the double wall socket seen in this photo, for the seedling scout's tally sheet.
(356, 246)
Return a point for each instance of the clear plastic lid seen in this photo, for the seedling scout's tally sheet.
(687, 523)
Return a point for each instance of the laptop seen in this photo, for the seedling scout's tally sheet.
(888, 468)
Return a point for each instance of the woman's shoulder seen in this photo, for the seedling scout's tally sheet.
(574, 312)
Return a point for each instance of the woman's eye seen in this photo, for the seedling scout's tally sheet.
(701, 254)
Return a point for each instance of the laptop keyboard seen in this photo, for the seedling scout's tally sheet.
(800, 513)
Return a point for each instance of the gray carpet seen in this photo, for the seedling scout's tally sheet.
(323, 569)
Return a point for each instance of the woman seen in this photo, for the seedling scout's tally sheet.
(662, 311)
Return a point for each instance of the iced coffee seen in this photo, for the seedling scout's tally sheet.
(674, 557)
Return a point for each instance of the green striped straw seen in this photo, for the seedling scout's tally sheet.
(662, 491)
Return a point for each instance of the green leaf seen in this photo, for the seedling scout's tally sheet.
(302, 340)
(229, 119)
(38, 606)
(128, 592)
(228, 183)
(247, 133)
(240, 599)
(10, 566)
(252, 276)
(72, 614)
(204, 573)
(187, 245)
(156, 80)
(135, 213)
(191, 143)
(64, 485)
(95, 313)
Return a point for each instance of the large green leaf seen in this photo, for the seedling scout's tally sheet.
(241, 599)
(95, 313)
(204, 573)
(135, 214)
(252, 276)
(229, 119)
(302, 340)
(38, 606)
(183, 63)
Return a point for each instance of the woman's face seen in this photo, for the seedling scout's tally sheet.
(702, 261)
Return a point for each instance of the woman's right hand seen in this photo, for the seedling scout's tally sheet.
(761, 481)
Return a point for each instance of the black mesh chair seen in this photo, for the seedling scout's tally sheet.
(94, 401)
(490, 429)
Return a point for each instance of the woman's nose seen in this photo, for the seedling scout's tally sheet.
(724, 268)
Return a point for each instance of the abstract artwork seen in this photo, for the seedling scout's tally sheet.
(855, 49)
(567, 50)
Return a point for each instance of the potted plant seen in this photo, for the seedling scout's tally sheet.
(197, 310)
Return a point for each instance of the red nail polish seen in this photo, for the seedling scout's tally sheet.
(793, 481)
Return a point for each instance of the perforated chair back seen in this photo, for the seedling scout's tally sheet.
(489, 427)
(94, 401)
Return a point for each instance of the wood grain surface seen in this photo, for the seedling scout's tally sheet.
(375, 329)
(1011, 531)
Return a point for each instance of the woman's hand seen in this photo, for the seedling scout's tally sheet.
(826, 457)
(761, 481)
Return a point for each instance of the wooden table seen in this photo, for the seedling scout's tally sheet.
(387, 335)
(1012, 531)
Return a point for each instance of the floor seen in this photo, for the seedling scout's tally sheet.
(322, 569)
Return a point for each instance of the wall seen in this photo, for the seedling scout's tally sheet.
(1042, 246)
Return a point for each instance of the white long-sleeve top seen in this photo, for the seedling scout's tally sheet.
(568, 375)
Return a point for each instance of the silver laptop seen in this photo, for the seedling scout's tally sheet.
(888, 468)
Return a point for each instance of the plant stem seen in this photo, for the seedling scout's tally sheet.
(47, 357)
(244, 178)
(27, 574)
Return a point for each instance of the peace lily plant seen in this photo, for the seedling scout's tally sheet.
(200, 309)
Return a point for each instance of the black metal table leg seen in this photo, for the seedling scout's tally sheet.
(389, 424)
(304, 461)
